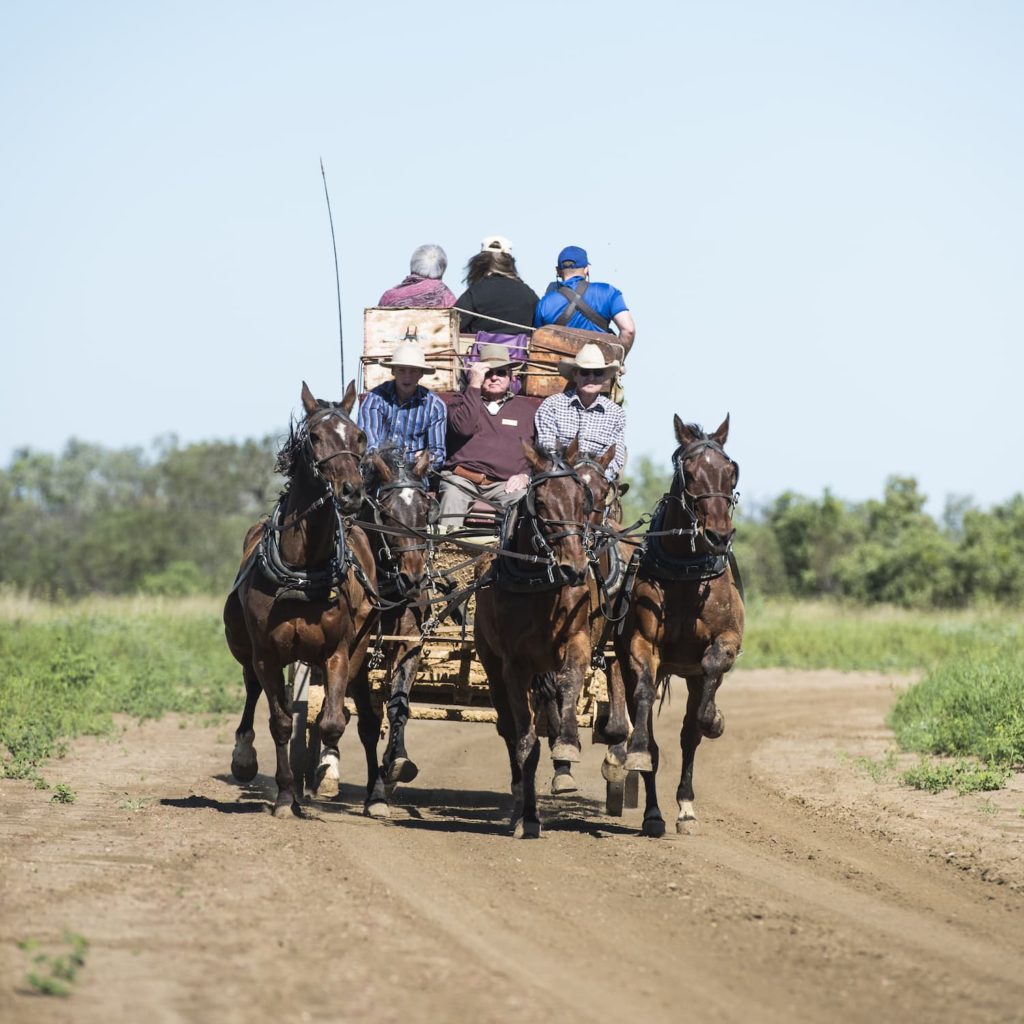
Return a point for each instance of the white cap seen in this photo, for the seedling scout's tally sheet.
(496, 243)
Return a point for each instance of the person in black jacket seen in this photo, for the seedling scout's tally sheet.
(495, 290)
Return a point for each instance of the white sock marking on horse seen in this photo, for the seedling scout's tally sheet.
(331, 764)
(686, 811)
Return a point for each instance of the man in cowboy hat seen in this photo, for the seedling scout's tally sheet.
(576, 301)
(581, 410)
(401, 411)
(486, 428)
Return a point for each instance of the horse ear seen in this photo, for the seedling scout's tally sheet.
(684, 435)
(308, 401)
(382, 469)
(605, 460)
(537, 461)
(572, 450)
(422, 463)
(722, 432)
(350, 398)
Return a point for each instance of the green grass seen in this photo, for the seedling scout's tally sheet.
(65, 671)
(820, 635)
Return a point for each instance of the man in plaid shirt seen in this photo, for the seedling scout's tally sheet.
(404, 413)
(582, 410)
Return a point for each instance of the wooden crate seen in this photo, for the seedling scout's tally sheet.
(436, 331)
(549, 345)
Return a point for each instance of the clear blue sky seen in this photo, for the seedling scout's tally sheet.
(813, 209)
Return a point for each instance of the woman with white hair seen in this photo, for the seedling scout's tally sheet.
(423, 288)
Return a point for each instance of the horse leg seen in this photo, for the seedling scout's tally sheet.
(398, 766)
(505, 723)
(332, 722)
(717, 660)
(527, 756)
(368, 726)
(272, 679)
(689, 739)
(653, 823)
(568, 683)
(244, 763)
(616, 728)
(640, 674)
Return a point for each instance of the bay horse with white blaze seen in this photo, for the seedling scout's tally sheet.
(302, 591)
(397, 515)
(685, 615)
(533, 616)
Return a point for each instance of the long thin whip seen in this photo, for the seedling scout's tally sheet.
(337, 275)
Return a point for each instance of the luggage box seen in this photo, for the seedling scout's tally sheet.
(436, 331)
(550, 344)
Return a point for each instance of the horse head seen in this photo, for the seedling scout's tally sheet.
(704, 480)
(331, 448)
(565, 493)
(399, 499)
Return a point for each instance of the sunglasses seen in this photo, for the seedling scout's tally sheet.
(502, 372)
(589, 373)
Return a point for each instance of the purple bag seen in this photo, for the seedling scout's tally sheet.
(515, 343)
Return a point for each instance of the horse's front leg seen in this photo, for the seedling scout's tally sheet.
(689, 739)
(368, 725)
(398, 766)
(332, 722)
(640, 670)
(568, 684)
(271, 677)
(717, 660)
(244, 763)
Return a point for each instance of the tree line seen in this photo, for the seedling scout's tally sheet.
(171, 520)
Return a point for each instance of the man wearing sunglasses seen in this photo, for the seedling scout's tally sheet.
(581, 410)
(486, 428)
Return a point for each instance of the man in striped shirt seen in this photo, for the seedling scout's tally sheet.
(582, 410)
(404, 413)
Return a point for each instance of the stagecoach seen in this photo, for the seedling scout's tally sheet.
(450, 683)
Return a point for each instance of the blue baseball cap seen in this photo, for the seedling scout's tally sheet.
(573, 256)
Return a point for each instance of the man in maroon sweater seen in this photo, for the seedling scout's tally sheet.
(486, 428)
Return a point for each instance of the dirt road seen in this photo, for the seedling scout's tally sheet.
(814, 892)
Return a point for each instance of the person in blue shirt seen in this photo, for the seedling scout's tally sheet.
(404, 413)
(576, 301)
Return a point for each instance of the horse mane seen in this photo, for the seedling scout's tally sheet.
(392, 455)
(286, 461)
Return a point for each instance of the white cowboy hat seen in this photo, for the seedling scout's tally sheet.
(590, 357)
(493, 356)
(409, 354)
(496, 243)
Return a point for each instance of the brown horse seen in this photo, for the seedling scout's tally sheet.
(685, 615)
(533, 616)
(302, 591)
(398, 512)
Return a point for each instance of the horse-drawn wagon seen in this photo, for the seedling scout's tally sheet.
(450, 683)
(350, 573)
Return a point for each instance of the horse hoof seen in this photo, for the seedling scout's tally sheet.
(654, 826)
(243, 771)
(328, 785)
(563, 751)
(285, 807)
(639, 762)
(687, 826)
(526, 829)
(402, 769)
(563, 782)
(377, 809)
(611, 772)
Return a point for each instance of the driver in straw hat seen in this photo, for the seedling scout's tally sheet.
(581, 410)
(402, 412)
(486, 428)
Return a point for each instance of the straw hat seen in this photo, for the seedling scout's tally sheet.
(493, 356)
(590, 357)
(409, 354)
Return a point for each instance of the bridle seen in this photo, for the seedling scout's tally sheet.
(388, 569)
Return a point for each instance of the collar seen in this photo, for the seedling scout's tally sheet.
(391, 394)
(601, 402)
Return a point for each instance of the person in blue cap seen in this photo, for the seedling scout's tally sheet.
(576, 301)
